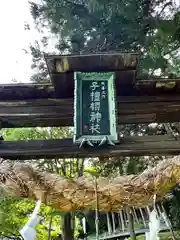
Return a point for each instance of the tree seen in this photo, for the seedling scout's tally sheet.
(82, 26)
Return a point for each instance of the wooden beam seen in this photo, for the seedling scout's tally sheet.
(65, 88)
(64, 148)
(92, 63)
(59, 112)
(125, 82)
(157, 85)
(26, 91)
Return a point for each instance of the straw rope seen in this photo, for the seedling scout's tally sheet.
(67, 195)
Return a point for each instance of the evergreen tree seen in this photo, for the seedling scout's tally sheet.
(92, 26)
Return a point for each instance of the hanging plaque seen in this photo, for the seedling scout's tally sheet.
(95, 108)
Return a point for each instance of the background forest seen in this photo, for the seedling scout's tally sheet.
(93, 26)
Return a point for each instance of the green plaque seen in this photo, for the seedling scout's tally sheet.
(94, 107)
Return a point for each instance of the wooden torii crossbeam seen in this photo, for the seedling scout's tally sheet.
(64, 148)
(31, 105)
(45, 105)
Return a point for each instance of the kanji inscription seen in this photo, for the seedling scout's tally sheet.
(95, 114)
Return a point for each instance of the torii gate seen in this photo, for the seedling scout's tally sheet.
(138, 101)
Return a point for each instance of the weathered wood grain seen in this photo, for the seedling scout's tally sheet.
(26, 91)
(64, 148)
(92, 63)
(59, 112)
(64, 88)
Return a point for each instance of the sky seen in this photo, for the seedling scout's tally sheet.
(15, 64)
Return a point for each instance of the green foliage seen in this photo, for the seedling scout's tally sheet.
(162, 236)
(36, 133)
(14, 214)
(174, 208)
(9, 219)
(151, 27)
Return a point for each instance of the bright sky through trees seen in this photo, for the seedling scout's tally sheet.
(15, 64)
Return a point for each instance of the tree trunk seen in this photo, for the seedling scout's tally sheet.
(49, 228)
(131, 224)
(68, 231)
